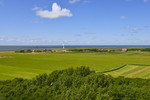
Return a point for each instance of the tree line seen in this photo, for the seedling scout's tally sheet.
(75, 84)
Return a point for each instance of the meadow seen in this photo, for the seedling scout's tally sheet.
(28, 65)
(132, 71)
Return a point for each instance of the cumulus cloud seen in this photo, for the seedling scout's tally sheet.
(73, 1)
(56, 12)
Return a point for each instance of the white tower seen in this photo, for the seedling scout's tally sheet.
(63, 46)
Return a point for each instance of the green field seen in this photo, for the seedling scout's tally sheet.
(28, 65)
(132, 71)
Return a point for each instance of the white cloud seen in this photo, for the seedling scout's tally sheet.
(7, 39)
(30, 41)
(36, 8)
(136, 29)
(140, 0)
(123, 17)
(132, 29)
(56, 12)
(146, 0)
(73, 1)
(21, 40)
(86, 1)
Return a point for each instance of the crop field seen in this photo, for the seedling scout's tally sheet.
(28, 65)
(132, 71)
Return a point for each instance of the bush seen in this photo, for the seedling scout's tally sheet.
(75, 84)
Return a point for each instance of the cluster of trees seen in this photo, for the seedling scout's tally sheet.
(75, 84)
(24, 51)
(104, 50)
(138, 49)
(30, 51)
(87, 50)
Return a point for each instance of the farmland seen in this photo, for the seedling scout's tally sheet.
(132, 71)
(28, 65)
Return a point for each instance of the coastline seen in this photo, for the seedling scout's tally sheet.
(25, 47)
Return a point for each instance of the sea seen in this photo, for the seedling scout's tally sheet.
(25, 47)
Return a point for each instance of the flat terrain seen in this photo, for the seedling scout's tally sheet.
(132, 71)
(28, 65)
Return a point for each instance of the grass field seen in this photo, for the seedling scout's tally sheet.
(132, 71)
(29, 65)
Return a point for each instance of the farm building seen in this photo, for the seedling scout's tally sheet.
(47, 50)
(124, 49)
(102, 49)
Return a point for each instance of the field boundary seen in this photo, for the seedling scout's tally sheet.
(139, 64)
(113, 69)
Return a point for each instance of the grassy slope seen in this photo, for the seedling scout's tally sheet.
(29, 65)
(132, 71)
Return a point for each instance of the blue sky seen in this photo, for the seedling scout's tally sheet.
(74, 22)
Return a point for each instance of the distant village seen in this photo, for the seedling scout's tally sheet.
(105, 50)
(72, 50)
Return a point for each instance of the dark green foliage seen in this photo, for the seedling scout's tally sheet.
(20, 51)
(146, 49)
(38, 51)
(29, 51)
(75, 84)
(85, 50)
(138, 49)
(134, 49)
(33, 51)
(24, 51)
